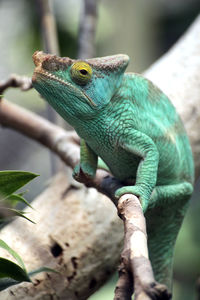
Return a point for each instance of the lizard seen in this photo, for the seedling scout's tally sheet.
(132, 126)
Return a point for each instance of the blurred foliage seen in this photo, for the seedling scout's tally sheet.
(10, 182)
(10, 272)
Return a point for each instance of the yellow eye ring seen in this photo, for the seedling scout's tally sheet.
(81, 72)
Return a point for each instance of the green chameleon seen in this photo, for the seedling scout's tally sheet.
(133, 127)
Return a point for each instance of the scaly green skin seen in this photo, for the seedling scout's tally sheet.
(133, 127)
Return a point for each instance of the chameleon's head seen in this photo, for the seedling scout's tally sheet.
(78, 88)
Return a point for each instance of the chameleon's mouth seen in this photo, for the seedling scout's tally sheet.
(48, 63)
(39, 73)
(45, 63)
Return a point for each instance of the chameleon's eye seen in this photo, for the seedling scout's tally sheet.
(81, 72)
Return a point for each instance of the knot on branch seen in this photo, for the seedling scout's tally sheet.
(157, 291)
(129, 207)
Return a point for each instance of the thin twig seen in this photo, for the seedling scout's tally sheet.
(16, 81)
(135, 253)
(48, 27)
(50, 45)
(87, 29)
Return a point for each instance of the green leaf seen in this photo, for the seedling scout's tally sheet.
(15, 198)
(7, 214)
(23, 193)
(42, 269)
(12, 270)
(13, 253)
(20, 213)
(11, 181)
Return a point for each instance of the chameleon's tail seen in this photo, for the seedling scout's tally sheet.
(163, 228)
(162, 262)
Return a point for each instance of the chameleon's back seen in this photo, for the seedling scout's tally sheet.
(154, 115)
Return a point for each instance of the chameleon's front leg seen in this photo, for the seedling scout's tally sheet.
(141, 145)
(88, 163)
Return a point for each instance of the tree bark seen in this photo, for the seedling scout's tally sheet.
(78, 231)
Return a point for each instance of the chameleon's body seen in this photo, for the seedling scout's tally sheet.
(133, 127)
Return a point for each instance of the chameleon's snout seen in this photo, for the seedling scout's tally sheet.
(48, 63)
(38, 57)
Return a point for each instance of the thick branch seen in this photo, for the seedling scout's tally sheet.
(72, 234)
(177, 74)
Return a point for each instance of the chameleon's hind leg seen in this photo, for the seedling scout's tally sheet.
(163, 224)
(168, 194)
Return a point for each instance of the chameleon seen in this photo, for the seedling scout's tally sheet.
(132, 126)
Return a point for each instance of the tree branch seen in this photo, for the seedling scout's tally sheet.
(16, 81)
(50, 45)
(87, 29)
(135, 255)
(52, 136)
(177, 74)
(48, 27)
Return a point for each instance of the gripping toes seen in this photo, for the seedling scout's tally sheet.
(82, 172)
(135, 190)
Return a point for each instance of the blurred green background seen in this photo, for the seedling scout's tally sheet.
(143, 29)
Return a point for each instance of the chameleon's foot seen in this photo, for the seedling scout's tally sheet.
(135, 190)
(82, 173)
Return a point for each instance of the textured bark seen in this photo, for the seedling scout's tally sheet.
(135, 269)
(79, 225)
(177, 74)
(77, 232)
